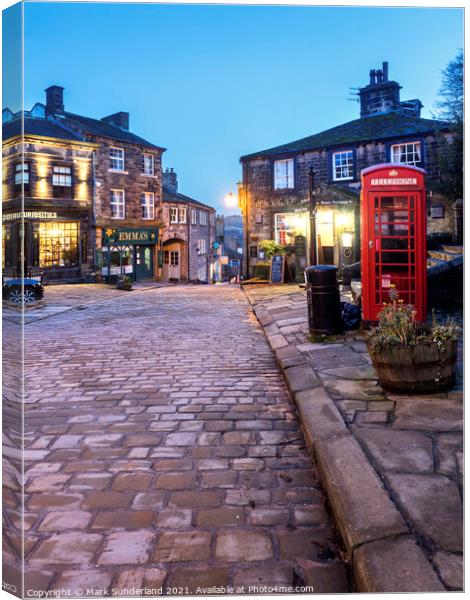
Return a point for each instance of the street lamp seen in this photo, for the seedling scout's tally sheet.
(231, 200)
(312, 213)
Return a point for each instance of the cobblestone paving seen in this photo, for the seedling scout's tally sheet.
(162, 449)
(415, 443)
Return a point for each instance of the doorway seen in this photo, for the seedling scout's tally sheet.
(172, 263)
(143, 262)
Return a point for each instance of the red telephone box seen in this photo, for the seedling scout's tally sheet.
(393, 237)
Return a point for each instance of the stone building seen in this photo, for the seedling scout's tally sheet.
(188, 237)
(274, 194)
(47, 198)
(92, 194)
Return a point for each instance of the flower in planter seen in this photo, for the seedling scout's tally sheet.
(398, 326)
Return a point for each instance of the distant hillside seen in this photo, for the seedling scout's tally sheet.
(233, 221)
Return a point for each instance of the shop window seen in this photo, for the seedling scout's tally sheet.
(148, 164)
(288, 225)
(148, 205)
(22, 178)
(182, 215)
(406, 154)
(118, 208)
(343, 165)
(116, 159)
(117, 260)
(58, 244)
(62, 181)
(284, 174)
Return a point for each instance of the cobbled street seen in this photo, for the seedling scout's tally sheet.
(163, 450)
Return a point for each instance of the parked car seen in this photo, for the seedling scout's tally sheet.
(28, 289)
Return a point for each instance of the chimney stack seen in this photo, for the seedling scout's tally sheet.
(119, 119)
(55, 100)
(170, 181)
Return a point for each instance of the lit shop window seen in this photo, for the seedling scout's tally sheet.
(407, 154)
(284, 174)
(58, 244)
(148, 164)
(116, 159)
(288, 225)
(343, 165)
(148, 205)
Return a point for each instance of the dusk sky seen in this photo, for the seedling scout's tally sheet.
(211, 83)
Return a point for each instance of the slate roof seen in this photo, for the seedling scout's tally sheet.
(182, 199)
(70, 128)
(98, 127)
(43, 127)
(376, 127)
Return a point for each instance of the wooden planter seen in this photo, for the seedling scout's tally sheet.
(416, 369)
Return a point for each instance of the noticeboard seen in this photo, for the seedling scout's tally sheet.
(277, 269)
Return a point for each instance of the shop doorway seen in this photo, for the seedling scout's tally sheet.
(143, 262)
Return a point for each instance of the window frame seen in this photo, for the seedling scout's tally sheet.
(22, 186)
(352, 165)
(289, 177)
(111, 158)
(146, 155)
(407, 143)
(182, 214)
(145, 205)
(173, 211)
(203, 218)
(201, 246)
(194, 212)
(121, 191)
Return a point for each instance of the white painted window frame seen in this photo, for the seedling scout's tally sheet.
(398, 147)
(121, 203)
(118, 159)
(284, 180)
(148, 205)
(147, 170)
(348, 164)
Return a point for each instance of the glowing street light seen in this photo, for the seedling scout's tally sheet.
(231, 200)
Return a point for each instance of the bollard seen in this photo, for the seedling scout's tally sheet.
(324, 308)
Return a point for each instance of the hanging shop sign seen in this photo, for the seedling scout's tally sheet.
(115, 235)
